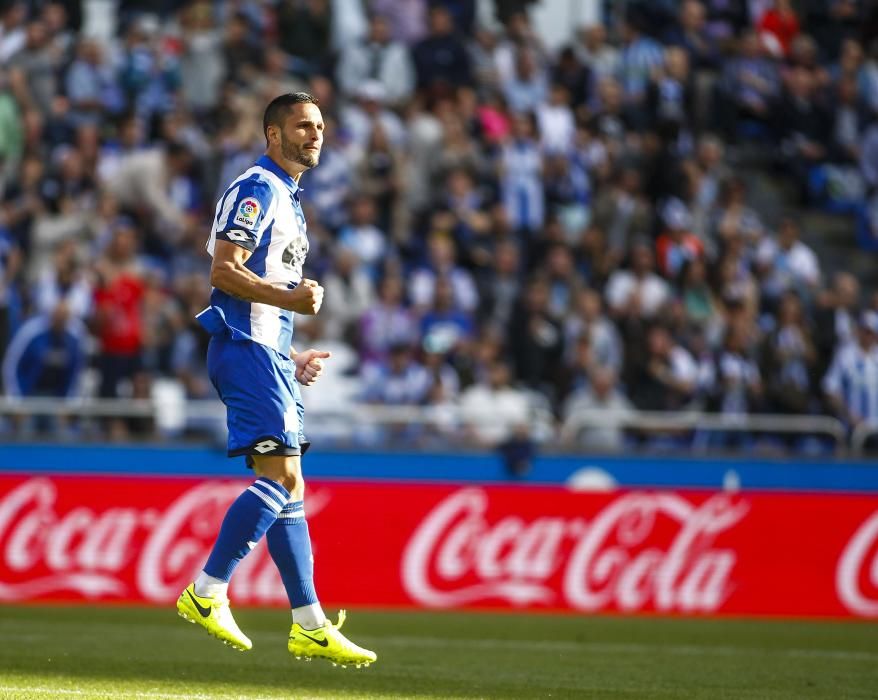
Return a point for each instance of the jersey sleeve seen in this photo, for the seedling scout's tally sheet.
(244, 213)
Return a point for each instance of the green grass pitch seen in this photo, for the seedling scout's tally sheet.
(117, 652)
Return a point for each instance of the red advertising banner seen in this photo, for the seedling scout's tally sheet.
(144, 539)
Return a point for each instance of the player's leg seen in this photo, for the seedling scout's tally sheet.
(289, 543)
(206, 600)
(247, 381)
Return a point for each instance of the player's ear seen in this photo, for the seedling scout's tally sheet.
(273, 132)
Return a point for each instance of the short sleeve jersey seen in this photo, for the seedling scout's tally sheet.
(261, 212)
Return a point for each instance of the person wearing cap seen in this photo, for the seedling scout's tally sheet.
(851, 384)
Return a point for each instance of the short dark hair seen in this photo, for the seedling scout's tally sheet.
(276, 111)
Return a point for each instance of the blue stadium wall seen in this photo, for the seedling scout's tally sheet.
(746, 473)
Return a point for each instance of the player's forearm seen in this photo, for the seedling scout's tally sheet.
(240, 282)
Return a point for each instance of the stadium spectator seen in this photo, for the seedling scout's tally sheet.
(441, 263)
(666, 379)
(359, 118)
(787, 263)
(348, 295)
(527, 88)
(699, 302)
(751, 85)
(851, 384)
(835, 320)
(401, 380)
(407, 18)
(90, 84)
(118, 320)
(641, 57)
(441, 59)
(10, 263)
(670, 94)
(202, 66)
(65, 281)
(305, 31)
(692, 35)
(533, 183)
(790, 359)
(520, 174)
(46, 355)
(377, 57)
(601, 58)
(677, 245)
(588, 319)
(779, 26)
(738, 379)
(602, 395)
(387, 323)
(622, 212)
(492, 408)
(363, 238)
(444, 327)
(637, 292)
(535, 338)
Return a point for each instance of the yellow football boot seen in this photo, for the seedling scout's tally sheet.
(329, 643)
(214, 615)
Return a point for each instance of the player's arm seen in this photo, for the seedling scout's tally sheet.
(228, 273)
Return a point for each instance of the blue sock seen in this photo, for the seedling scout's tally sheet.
(290, 546)
(246, 521)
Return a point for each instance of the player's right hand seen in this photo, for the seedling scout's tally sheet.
(306, 298)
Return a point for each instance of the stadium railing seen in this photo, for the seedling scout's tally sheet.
(171, 416)
(862, 434)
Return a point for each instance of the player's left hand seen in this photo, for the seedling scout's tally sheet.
(309, 365)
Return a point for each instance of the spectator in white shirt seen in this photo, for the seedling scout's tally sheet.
(786, 263)
(556, 123)
(492, 410)
(637, 292)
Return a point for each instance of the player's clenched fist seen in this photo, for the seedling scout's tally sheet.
(306, 298)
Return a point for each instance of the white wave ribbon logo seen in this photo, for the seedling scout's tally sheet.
(854, 563)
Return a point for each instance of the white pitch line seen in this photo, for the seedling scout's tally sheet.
(622, 647)
(29, 692)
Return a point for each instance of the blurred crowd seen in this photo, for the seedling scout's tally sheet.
(511, 235)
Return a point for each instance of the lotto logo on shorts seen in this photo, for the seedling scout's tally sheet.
(265, 446)
(248, 212)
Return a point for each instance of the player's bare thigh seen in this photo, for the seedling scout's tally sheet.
(286, 470)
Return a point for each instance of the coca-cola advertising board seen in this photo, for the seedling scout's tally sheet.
(79, 538)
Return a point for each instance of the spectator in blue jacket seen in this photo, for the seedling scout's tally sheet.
(46, 355)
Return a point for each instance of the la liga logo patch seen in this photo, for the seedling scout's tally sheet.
(248, 212)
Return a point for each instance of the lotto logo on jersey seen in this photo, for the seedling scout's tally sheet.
(248, 212)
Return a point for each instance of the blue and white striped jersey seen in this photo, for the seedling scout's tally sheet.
(853, 377)
(260, 211)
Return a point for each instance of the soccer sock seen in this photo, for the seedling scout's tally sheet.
(310, 617)
(209, 586)
(246, 521)
(289, 544)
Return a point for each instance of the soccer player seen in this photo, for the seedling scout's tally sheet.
(258, 245)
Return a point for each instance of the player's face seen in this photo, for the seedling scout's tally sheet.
(302, 136)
